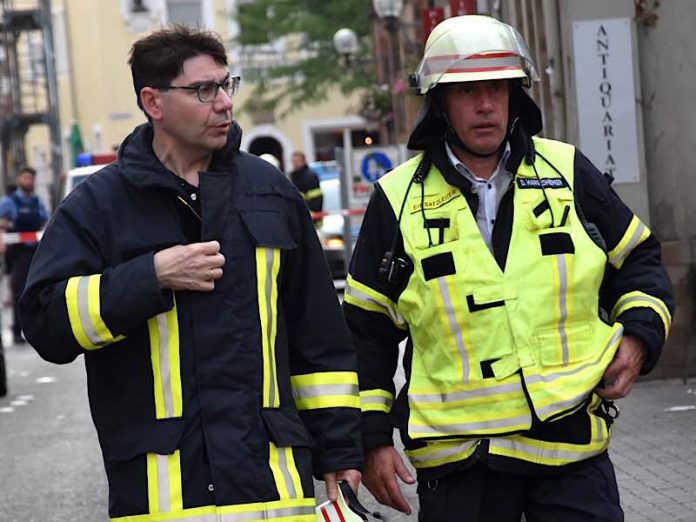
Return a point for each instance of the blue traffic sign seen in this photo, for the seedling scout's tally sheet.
(374, 165)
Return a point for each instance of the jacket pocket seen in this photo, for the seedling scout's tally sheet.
(269, 228)
(285, 428)
(141, 437)
(561, 350)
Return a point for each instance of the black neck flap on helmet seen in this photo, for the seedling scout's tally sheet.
(432, 124)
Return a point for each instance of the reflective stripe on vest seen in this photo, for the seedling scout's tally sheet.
(281, 459)
(490, 330)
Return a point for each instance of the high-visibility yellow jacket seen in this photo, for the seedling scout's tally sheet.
(507, 346)
(208, 405)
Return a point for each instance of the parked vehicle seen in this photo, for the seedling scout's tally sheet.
(76, 176)
(331, 231)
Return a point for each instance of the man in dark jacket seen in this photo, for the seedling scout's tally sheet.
(531, 296)
(21, 211)
(221, 376)
(307, 182)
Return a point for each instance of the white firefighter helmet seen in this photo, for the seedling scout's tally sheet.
(270, 158)
(347, 508)
(472, 48)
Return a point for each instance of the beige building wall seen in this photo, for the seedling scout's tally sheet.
(92, 41)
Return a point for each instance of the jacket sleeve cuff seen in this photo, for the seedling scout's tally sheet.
(377, 430)
(645, 326)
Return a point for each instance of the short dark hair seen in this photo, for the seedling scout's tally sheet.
(159, 57)
(27, 168)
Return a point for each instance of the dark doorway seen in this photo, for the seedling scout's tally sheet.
(268, 145)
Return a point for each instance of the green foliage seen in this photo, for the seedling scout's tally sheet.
(314, 66)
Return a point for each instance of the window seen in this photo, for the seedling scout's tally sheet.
(186, 12)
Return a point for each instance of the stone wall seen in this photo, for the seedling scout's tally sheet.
(679, 356)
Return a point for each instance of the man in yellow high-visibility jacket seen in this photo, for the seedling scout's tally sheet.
(531, 297)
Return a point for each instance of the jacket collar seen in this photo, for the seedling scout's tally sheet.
(140, 165)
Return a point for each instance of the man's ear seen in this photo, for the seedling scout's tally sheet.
(151, 100)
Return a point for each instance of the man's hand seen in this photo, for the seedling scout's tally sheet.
(624, 369)
(190, 267)
(352, 476)
(382, 465)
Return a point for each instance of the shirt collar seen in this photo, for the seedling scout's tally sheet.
(468, 174)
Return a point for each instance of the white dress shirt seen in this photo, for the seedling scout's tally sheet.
(490, 191)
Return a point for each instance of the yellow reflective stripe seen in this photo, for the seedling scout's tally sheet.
(560, 275)
(484, 393)
(376, 400)
(495, 425)
(458, 338)
(166, 365)
(539, 452)
(362, 296)
(440, 453)
(635, 234)
(267, 269)
(164, 488)
(325, 390)
(311, 194)
(292, 510)
(639, 299)
(84, 312)
(285, 473)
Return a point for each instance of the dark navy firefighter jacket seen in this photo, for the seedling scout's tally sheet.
(208, 405)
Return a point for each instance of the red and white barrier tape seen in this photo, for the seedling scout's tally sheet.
(15, 238)
(343, 212)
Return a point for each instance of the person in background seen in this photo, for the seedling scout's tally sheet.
(188, 274)
(531, 297)
(306, 181)
(21, 211)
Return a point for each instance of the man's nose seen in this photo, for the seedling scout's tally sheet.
(223, 101)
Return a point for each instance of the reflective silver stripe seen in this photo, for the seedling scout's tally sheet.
(454, 326)
(269, 322)
(393, 314)
(382, 401)
(165, 368)
(551, 454)
(164, 498)
(268, 514)
(83, 307)
(560, 406)
(464, 63)
(446, 429)
(600, 430)
(563, 305)
(443, 453)
(618, 258)
(322, 390)
(465, 395)
(533, 379)
(645, 298)
(285, 470)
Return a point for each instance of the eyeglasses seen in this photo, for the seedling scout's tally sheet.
(208, 91)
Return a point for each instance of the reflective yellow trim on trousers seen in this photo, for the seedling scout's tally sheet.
(325, 390)
(268, 267)
(164, 482)
(641, 300)
(440, 453)
(295, 510)
(281, 460)
(362, 296)
(312, 194)
(635, 234)
(555, 453)
(82, 300)
(376, 400)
